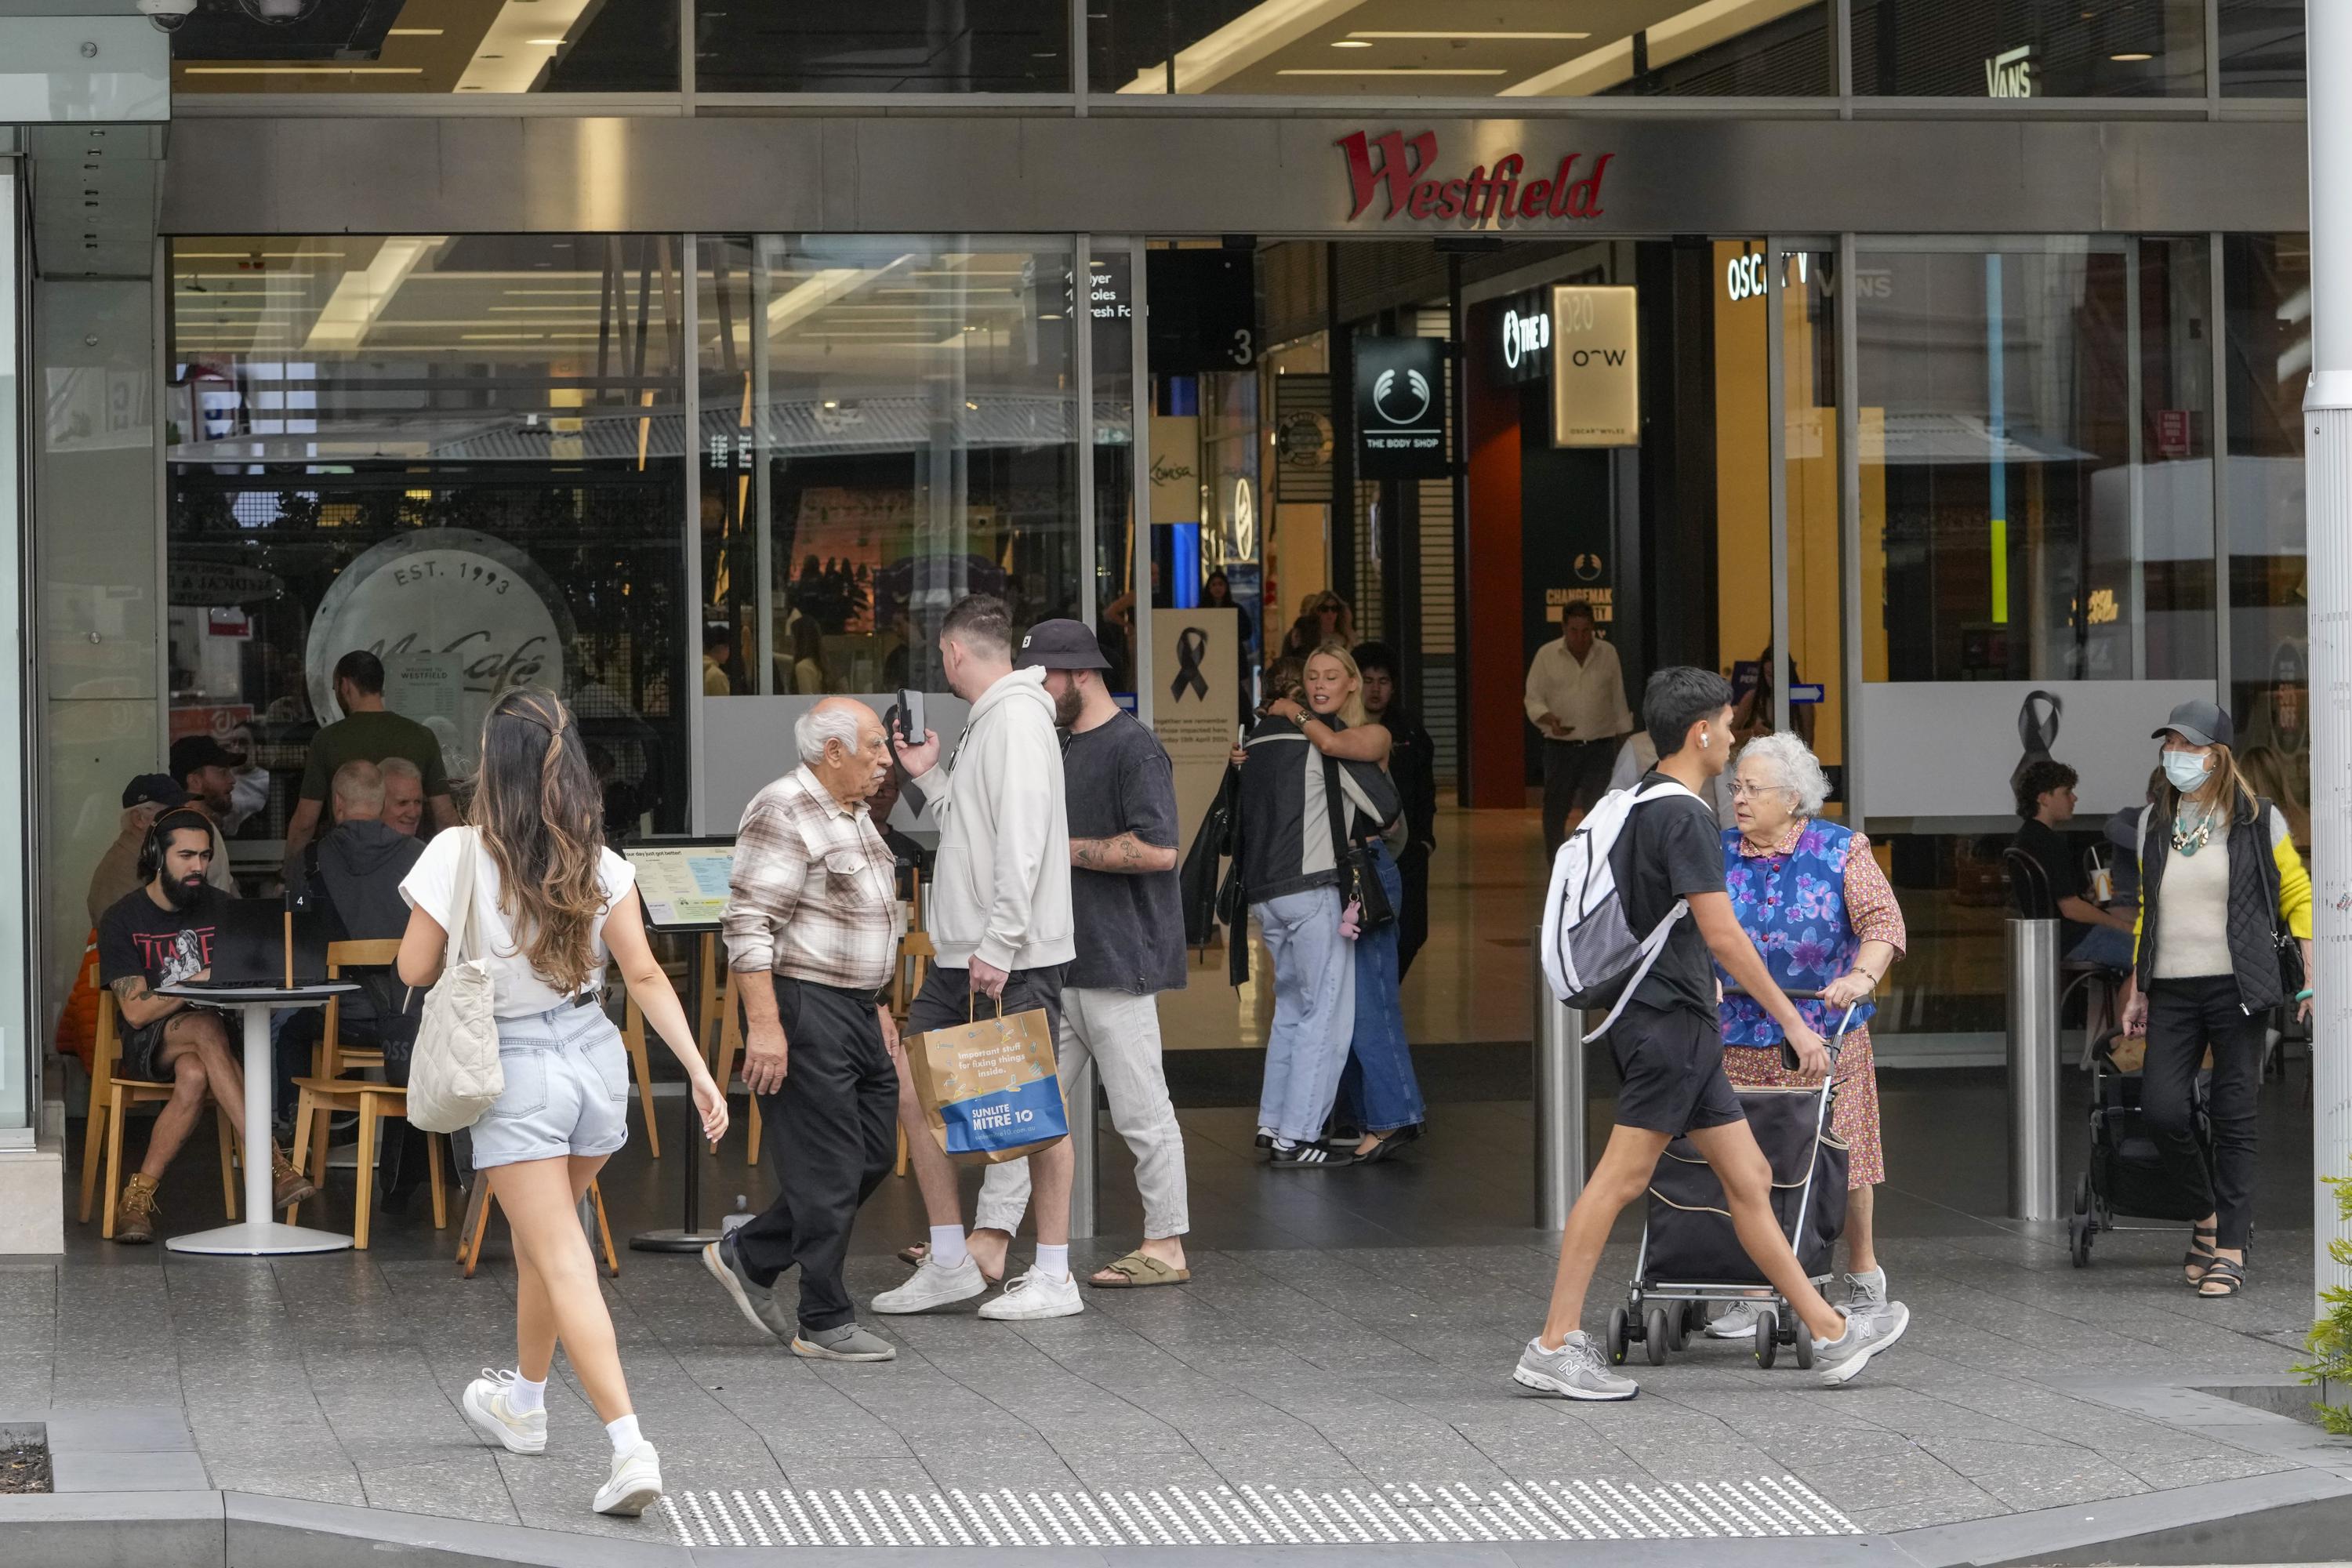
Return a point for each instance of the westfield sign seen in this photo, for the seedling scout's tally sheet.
(1403, 169)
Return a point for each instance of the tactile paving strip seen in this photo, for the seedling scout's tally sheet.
(1255, 1516)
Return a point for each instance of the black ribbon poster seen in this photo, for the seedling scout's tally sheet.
(2037, 732)
(1191, 648)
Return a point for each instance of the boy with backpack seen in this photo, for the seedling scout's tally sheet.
(1655, 930)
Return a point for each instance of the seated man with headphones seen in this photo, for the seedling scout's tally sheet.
(160, 933)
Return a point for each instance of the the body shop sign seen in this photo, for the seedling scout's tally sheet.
(1395, 176)
(456, 617)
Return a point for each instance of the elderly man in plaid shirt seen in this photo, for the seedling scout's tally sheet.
(813, 907)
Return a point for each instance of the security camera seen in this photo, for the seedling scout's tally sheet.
(167, 15)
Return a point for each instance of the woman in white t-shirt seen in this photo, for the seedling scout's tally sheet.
(549, 904)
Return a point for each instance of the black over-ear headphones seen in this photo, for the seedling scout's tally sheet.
(150, 850)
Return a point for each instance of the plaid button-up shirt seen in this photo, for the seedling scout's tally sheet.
(815, 893)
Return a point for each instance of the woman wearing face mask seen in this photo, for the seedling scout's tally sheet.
(2218, 877)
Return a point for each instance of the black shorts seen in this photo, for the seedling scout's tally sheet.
(1670, 1071)
(947, 999)
(143, 1046)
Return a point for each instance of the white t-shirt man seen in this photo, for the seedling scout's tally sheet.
(520, 990)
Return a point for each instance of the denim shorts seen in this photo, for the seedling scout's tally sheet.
(567, 1089)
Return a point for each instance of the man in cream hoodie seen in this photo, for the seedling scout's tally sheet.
(999, 914)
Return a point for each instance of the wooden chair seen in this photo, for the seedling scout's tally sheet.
(329, 1090)
(728, 1047)
(477, 1225)
(110, 1099)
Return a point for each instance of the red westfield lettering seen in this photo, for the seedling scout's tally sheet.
(1402, 167)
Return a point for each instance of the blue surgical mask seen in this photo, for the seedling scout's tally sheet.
(2187, 770)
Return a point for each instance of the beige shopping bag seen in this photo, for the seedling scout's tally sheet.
(989, 1087)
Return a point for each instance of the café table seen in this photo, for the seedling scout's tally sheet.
(258, 1235)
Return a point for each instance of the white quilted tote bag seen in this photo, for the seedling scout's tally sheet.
(453, 1074)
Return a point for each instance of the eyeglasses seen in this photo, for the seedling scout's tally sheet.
(1742, 790)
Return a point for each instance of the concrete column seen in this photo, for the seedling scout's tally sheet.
(2327, 459)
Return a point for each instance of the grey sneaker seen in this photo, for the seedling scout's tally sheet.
(1865, 1292)
(755, 1301)
(1737, 1321)
(847, 1343)
(1575, 1371)
(1866, 1333)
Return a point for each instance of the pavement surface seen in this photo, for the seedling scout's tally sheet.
(1346, 1335)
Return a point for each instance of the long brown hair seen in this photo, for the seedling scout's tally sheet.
(540, 815)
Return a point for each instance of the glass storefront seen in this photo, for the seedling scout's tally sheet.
(2029, 48)
(2261, 47)
(431, 46)
(18, 1051)
(882, 46)
(461, 454)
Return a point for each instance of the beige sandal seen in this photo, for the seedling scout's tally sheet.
(1135, 1271)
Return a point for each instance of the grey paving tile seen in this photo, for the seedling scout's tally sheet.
(178, 1470)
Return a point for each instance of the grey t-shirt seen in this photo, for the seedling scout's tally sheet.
(1116, 779)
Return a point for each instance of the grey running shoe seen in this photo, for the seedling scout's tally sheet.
(1865, 1292)
(1737, 1321)
(755, 1301)
(1866, 1333)
(847, 1343)
(1575, 1371)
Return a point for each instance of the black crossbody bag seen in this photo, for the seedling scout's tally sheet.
(1358, 866)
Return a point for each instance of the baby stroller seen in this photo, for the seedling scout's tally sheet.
(2128, 1171)
(1691, 1257)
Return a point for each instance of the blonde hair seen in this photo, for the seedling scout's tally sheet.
(1351, 710)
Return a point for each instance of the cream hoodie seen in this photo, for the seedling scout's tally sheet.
(1000, 892)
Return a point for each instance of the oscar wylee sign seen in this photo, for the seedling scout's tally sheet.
(1400, 175)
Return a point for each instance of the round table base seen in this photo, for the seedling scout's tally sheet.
(259, 1239)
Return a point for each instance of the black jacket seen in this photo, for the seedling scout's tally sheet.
(1285, 837)
(1412, 764)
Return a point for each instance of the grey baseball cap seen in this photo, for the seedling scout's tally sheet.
(2200, 723)
(1060, 645)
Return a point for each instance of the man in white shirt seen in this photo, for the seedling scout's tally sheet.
(1576, 696)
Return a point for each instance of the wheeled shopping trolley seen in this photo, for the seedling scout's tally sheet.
(1691, 1259)
(2128, 1172)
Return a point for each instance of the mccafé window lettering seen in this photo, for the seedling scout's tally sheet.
(1404, 170)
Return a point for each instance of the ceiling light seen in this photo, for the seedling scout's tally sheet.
(1350, 44)
(1366, 33)
(2131, 57)
(1390, 71)
(302, 70)
(412, 32)
(543, 42)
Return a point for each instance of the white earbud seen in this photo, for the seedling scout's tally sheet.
(1702, 740)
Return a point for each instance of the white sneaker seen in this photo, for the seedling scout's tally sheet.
(1036, 1295)
(636, 1484)
(933, 1285)
(485, 1405)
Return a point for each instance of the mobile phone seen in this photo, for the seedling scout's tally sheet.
(911, 727)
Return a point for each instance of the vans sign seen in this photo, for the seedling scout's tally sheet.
(1399, 174)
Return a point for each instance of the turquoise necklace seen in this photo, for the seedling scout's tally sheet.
(2188, 840)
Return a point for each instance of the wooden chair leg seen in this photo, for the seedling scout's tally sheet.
(303, 1109)
(753, 1127)
(707, 982)
(114, 1110)
(633, 1032)
(229, 1161)
(730, 1039)
(476, 1225)
(93, 1149)
(902, 1149)
(433, 1143)
(363, 1207)
(604, 1232)
(322, 1117)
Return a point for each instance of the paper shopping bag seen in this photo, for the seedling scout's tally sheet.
(988, 1087)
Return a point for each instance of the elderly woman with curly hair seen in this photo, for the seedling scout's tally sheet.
(1820, 911)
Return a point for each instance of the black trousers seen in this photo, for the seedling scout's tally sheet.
(1576, 775)
(2184, 1016)
(832, 1135)
(1413, 917)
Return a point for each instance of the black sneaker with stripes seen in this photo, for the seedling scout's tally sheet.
(1308, 1157)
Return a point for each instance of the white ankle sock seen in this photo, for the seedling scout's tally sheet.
(623, 1432)
(947, 1250)
(1054, 1261)
(524, 1396)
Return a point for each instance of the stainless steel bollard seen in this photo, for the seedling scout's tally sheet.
(1559, 1102)
(1081, 1099)
(2033, 1070)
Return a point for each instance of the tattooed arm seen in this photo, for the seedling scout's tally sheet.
(138, 1003)
(1126, 855)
